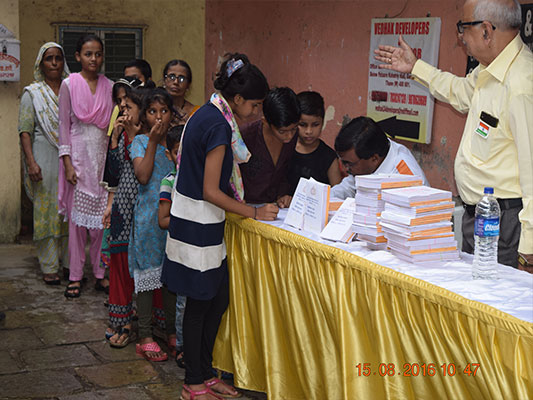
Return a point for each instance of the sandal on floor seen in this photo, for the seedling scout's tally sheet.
(109, 335)
(153, 347)
(101, 288)
(180, 360)
(194, 393)
(73, 291)
(51, 279)
(214, 381)
(130, 337)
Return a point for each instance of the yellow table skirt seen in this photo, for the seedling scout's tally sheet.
(309, 321)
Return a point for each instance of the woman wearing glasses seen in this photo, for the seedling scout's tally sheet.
(177, 78)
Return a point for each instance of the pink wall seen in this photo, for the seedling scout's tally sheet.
(324, 46)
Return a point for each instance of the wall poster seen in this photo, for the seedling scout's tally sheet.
(403, 107)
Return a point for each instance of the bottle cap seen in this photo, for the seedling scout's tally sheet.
(489, 190)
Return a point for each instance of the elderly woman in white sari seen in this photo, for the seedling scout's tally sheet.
(38, 130)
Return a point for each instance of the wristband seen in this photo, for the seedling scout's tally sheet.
(523, 262)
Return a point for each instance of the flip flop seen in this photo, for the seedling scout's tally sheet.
(153, 347)
(101, 288)
(194, 393)
(53, 281)
(214, 381)
(109, 335)
(130, 336)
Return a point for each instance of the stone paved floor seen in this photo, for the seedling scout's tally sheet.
(53, 348)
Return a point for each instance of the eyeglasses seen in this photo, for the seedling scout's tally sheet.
(179, 78)
(348, 164)
(461, 25)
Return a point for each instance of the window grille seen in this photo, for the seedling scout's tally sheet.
(120, 46)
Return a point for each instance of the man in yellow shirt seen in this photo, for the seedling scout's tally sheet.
(496, 148)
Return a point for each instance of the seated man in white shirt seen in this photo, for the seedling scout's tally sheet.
(364, 149)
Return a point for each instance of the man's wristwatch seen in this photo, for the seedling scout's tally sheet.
(523, 262)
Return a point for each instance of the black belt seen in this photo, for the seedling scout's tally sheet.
(505, 204)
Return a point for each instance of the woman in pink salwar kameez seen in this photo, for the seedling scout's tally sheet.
(85, 107)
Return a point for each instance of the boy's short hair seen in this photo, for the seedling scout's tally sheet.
(363, 135)
(174, 136)
(142, 65)
(311, 103)
(281, 107)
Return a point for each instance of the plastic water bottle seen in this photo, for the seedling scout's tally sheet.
(486, 234)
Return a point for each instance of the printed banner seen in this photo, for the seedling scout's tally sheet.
(403, 107)
(9, 56)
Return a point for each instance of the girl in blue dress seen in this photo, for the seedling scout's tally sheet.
(147, 241)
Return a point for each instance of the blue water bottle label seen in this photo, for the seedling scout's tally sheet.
(487, 227)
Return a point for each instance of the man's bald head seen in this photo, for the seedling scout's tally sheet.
(503, 14)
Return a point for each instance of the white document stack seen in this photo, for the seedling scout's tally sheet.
(369, 205)
(417, 224)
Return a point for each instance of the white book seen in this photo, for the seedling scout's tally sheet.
(369, 202)
(443, 256)
(363, 219)
(416, 196)
(366, 210)
(429, 209)
(309, 206)
(386, 181)
(423, 249)
(420, 241)
(374, 194)
(420, 230)
(339, 228)
(372, 239)
(367, 229)
(401, 219)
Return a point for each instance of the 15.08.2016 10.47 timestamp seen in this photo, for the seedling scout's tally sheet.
(416, 369)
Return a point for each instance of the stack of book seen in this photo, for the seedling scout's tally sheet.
(369, 205)
(417, 224)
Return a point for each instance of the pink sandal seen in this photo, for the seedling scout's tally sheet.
(193, 393)
(214, 381)
(153, 347)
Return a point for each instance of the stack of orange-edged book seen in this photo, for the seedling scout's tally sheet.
(369, 205)
(417, 224)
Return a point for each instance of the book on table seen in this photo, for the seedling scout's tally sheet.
(431, 209)
(416, 196)
(401, 219)
(309, 206)
(370, 205)
(425, 257)
(364, 219)
(339, 228)
(417, 230)
(386, 181)
(430, 240)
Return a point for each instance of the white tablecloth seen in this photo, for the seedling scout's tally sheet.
(511, 293)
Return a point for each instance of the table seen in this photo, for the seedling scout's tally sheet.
(308, 321)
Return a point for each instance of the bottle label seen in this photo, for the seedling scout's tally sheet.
(487, 227)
